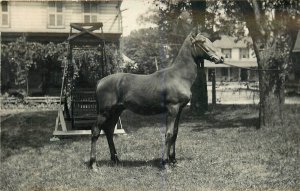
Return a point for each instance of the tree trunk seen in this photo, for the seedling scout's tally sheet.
(271, 99)
(271, 87)
(199, 101)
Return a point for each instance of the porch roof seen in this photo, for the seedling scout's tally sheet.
(208, 64)
(232, 42)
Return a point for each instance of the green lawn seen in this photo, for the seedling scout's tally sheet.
(221, 150)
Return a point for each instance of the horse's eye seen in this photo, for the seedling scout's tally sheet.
(202, 40)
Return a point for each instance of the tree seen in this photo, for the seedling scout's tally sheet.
(273, 29)
(199, 100)
(142, 47)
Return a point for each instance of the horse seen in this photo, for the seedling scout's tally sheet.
(166, 91)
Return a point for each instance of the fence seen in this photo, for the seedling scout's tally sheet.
(29, 100)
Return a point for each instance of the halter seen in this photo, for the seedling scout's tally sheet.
(195, 44)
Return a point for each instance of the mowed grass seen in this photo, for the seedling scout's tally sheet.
(221, 150)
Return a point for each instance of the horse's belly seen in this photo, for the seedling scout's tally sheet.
(145, 109)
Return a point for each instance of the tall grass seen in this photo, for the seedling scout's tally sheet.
(221, 150)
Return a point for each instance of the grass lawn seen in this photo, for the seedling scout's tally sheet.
(221, 150)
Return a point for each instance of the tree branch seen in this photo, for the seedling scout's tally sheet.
(257, 15)
(249, 16)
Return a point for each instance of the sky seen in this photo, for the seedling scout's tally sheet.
(131, 10)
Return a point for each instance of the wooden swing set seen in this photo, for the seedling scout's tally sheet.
(79, 108)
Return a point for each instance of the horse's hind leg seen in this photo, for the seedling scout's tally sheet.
(96, 129)
(109, 132)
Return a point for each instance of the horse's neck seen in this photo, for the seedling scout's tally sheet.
(184, 63)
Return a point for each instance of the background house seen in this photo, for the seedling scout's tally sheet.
(294, 76)
(238, 53)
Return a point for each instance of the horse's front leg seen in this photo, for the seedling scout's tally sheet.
(172, 155)
(170, 132)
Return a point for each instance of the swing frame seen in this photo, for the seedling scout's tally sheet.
(65, 121)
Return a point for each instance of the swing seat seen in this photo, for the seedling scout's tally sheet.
(83, 107)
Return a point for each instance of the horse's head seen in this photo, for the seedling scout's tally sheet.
(204, 48)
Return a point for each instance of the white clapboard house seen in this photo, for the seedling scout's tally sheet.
(43, 20)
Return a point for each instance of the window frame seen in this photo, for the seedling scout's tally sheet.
(248, 52)
(92, 12)
(54, 11)
(224, 72)
(226, 49)
(7, 13)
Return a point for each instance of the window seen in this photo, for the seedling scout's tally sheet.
(55, 16)
(211, 72)
(244, 53)
(90, 12)
(4, 14)
(224, 72)
(227, 53)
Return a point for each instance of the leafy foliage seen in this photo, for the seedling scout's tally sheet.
(90, 65)
(19, 57)
(144, 48)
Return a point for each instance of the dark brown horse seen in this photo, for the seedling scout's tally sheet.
(165, 91)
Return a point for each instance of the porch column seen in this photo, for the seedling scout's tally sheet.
(229, 74)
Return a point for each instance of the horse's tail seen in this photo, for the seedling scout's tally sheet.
(96, 98)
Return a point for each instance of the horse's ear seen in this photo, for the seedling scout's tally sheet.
(194, 32)
(201, 39)
(193, 40)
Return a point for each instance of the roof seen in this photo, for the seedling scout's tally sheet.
(46, 37)
(297, 43)
(208, 64)
(231, 42)
(74, 0)
(126, 59)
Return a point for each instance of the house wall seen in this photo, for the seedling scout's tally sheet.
(32, 16)
(235, 54)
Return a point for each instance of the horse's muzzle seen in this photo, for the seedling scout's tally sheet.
(218, 60)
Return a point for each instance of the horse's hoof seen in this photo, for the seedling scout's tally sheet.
(94, 167)
(115, 160)
(167, 168)
(173, 161)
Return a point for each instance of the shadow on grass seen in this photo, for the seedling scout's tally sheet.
(26, 130)
(224, 116)
(157, 163)
(34, 129)
(213, 123)
(131, 163)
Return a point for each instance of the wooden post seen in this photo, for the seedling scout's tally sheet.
(213, 90)
(156, 64)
